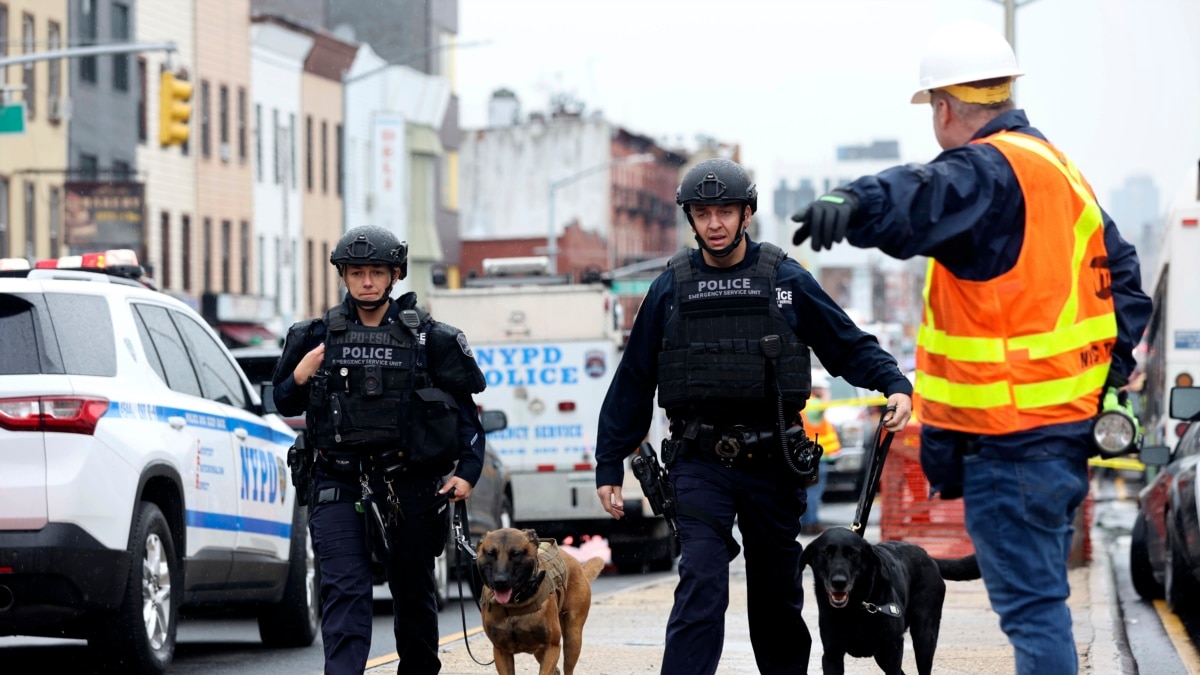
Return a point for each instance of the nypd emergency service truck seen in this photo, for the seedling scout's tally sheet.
(548, 351)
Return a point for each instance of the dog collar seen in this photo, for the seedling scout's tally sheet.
(529, 588)
(891, 609)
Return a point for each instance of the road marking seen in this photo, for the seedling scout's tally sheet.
(1179, 637)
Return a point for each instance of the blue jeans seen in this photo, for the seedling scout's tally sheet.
(815, 493)
(1019, 516)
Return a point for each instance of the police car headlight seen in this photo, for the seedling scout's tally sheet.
(1114, 433)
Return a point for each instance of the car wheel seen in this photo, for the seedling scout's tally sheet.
(1180, 587)
(296, 620)
(1140, 569)
(141, 637)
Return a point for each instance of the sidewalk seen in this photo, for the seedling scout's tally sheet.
(624, 632)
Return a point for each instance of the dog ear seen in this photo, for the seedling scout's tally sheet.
(806, 556)
(532, 535)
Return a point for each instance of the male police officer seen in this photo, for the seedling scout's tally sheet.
(724, 335)
(387, 392)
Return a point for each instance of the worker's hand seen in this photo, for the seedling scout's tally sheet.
(610, 500)
(309, 364)
(899, 410)
(458, 488)
(825, 220)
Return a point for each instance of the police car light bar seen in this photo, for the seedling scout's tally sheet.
(13, 264)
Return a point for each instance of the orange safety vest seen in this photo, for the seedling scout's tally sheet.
(824, 432)
(1031, 347)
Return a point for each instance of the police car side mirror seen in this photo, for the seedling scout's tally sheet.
(266, 392)
(1155, 455)
(493, 420)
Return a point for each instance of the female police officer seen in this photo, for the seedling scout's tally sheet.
(696, 339)
(387, 393)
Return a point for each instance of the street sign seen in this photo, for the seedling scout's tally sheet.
(631, 286)
(12, 118)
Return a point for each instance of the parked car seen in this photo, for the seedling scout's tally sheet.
(140, 471)
(1164, 551)
(854, 420)
(489, 507)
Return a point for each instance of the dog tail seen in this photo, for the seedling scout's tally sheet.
(959, 569)
(592, 568)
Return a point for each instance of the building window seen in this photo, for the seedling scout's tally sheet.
(275, 140)
(164, 230)
(338, 153)
(89, 166)
(122, 170)
(262, 273)
(185, 238)
(141, 104)
(308, 152)
(292, 140)
(87, 37)
(3, 69)
(324, 275)
(55, 222)
(245, 259)
(205, 141)
(4, 229)
(206, 248)
(226, 244)
(30, 220)
(241, 122)
(223, 121)
(29, 44)
(324, 157)
(258, 142)
(54, 83)
(120, 35)
(310, 248)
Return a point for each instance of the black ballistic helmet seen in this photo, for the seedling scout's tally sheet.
(717, 181)
(370, 245)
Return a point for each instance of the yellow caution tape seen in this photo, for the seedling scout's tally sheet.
(822, 405)
(1118, 463)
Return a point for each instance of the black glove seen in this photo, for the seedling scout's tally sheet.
(826, 219)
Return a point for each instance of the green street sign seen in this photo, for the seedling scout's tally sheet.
(631, 286)
(12, 118)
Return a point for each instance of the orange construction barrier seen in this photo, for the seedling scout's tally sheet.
(937, 525)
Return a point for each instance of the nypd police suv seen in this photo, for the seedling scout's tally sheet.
(138, 473)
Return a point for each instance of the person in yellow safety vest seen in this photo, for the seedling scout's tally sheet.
(1033, 305)
(818, 426)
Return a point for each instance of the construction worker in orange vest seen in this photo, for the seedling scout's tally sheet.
(818, 426)
(1033, 305)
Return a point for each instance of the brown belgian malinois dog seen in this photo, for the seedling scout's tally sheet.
(536, 599)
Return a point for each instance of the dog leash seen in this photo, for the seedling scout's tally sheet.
(462, 543)
(880, 442)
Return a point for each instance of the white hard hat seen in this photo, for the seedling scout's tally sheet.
(820, 379)
(965, 51)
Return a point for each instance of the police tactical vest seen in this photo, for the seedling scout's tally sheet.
(365, 399)
(712, 362)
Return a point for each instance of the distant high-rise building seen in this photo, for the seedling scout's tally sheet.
(876, 150)
(1134, 208)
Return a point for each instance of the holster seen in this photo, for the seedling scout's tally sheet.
(300, 462)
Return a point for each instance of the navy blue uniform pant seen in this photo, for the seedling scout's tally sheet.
(768, 506)
(342, 548)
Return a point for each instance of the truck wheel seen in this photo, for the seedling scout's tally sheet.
(296, 620)
(140, 638)
(640, 552)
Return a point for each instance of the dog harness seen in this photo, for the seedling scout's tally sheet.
(551, 577)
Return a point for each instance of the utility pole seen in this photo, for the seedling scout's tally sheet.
(1010, 19)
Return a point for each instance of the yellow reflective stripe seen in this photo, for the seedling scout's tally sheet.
(824, 405)
(1077, 336)
(970, 349)
(1062, 390)
(941, 390)
(925, 294)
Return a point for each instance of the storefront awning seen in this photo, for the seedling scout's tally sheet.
(246, 335)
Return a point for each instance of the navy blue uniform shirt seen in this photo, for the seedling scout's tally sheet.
(966, 210)
(842, 347)
(292, 399)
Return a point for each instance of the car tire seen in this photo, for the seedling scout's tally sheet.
(1179, 586)
(296, 620)
(140, 638)
(1140, 569)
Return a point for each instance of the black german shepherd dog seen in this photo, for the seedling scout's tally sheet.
(867, 596)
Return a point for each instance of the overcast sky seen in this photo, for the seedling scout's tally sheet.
(1114, 83)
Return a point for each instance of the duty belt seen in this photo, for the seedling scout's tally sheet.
(734, 447)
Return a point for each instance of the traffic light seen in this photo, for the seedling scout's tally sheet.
(174, 111)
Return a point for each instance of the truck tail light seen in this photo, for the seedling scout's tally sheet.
(566, 406)
(65, 414)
